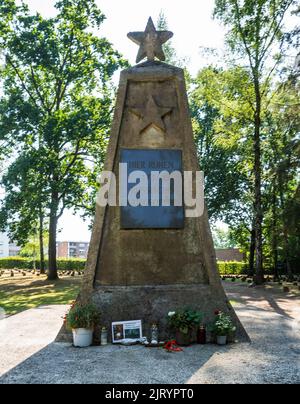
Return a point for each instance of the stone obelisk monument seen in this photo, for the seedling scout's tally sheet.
(147, 261)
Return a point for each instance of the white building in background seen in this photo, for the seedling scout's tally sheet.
(8, 248)
(14, 249)
(4, 245)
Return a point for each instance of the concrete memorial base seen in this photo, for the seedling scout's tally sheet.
(151, 304)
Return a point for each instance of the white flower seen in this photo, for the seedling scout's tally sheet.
(172, 313)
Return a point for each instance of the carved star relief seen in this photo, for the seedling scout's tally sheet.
(150, 42)
(151, 114)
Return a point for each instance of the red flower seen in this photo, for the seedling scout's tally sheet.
(217, 312)
(171, 346)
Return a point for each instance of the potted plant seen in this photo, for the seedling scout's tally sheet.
(222, 328)
(184, 322)
(82, 320)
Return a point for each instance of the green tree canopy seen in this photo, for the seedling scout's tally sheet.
(55, 113)
(256, 35)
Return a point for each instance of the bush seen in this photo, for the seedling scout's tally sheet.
(223, 325)
(82, 316)
(184, 320)
(16, 263)
(233, 268)
(77, 264)
(74, 264)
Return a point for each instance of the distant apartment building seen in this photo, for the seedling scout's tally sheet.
(72, 249)
(4, 245)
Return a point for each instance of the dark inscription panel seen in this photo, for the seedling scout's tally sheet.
(152, 217)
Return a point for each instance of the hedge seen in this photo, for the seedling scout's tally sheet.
(233, 268)
(28, 264)
(239, 268)
(19, 263)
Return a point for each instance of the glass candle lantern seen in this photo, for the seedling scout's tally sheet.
(154, 334)
(104, 336)
(201, 335)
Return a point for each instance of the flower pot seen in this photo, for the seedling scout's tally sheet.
(221, 340)
(183, 339)
(82, 337)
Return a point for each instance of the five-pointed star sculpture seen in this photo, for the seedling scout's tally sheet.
(150, 42)
(151, 114)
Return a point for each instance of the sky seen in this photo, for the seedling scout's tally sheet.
(191, 23)
(193, 28)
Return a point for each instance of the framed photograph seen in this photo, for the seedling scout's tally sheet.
(126, 331)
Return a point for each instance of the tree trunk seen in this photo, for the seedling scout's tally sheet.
(252, 253)
(287, 252)
(258, 210)
(275, 257)
(274, 235)
(41, 242)
(285, 232)
(289, 271)
(52, 268)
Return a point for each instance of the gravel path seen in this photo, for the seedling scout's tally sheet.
(271, 318)
(27, 333)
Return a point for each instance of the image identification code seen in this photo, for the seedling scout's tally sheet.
(152, 394)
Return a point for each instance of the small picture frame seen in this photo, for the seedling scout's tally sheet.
(124, 331)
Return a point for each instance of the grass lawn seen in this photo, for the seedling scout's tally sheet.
(22, 293)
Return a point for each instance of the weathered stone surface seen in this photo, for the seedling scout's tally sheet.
(150, 42)
(151, 114)
(143, 274)
(153, 303)
(151, 257)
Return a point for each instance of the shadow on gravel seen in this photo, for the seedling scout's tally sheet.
(274, 299)
(63, 364)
